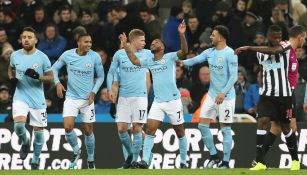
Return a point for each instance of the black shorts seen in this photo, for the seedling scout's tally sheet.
(275, 108)
(294, 110)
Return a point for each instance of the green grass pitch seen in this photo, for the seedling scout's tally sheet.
(236, 171)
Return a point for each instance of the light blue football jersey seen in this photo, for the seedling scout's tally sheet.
(29, 90)
(80, 70)
(163, 76)
(223, 66)
(132, 77)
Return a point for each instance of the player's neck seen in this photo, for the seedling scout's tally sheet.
(80, 53)
(220, 46)
(159, 55)
(29, 52)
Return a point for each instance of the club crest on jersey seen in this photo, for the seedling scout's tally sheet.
(35, 65)
(219, 59)
(88, 65)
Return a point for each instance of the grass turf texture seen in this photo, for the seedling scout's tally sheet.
(236, 171)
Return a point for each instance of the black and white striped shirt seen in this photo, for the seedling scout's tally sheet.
(275, 72)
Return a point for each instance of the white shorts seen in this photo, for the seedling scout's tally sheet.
(38, 117)
(132, 110)
(72, 108)
(224, 111)
(173, 109)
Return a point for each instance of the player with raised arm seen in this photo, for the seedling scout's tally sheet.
(81, 64)
(167, 96)
(280, 64)
(29, 68)
(223, 64)
(132, 101)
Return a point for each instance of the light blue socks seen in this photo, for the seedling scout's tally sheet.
(21, 131)
(227, 143)
(148, 145)
(126, 141)
(90, 146)
(183, 149)
(38, 145)
(136, 145)
(207, 138)
(71, 138)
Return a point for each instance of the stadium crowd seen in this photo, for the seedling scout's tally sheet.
(59, 22)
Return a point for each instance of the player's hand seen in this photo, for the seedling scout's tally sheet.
(32, 73)
(182, 27)
(241, 49)
(112, 97)
(289, 113)
(251, 111)
(59, 90)
(179, 63)
(123, 38)
(305, 107)
(219, 98)
(91, 98)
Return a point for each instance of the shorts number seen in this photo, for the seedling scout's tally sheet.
(92, 116)
(179, 116)
(227, 115)
(44, 115)
(142, 113)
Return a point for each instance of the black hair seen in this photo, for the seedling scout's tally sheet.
(222, 31)
(83, 35)
(274, 28)
(29, 29)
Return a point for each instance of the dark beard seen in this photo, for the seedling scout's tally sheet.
(154, 51)
(29, 48)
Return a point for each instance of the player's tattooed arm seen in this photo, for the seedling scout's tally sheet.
(184, 45)
(47, 77)
(128, 49)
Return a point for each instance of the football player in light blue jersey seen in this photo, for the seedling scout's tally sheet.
(29, 68)
(132, 101)
(223, 64)
(167, 99)
(81, 64)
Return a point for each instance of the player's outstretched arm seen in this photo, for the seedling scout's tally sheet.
(261, 49)
(128, 49)
(184, 45)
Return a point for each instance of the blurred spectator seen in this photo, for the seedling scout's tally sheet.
(105, 60)
(224, 16)
(187, 9)
(103, 105)
(260, 39)
(199, 88)
(133, 8)
(13, 28)
(26, 11)
(204, 39)
(127, 22)
(250, 26)
(187, 104)
(302, 62)
(299, 9)
(66, 21)
(87, 21)
(75, 33)
(240, 7)
(7, 5)
(251, 97)
(170, 30)
(54, 5)
(7, 50)
(205, 9)
(241, 87)
(278, 19)
(40, 21)
(181, 80)
(79, 5)
(283, 5)
(53, 45)
(104, 7)
(193, 32)
(300, 14)
(152, 25)
(5, 100)
(262, 9)
(3, 38)
(1, 17)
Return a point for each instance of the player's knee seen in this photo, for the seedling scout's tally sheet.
(150, 131)
(137, 128)
(285, 128)
(19, 127)
(179, 129)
